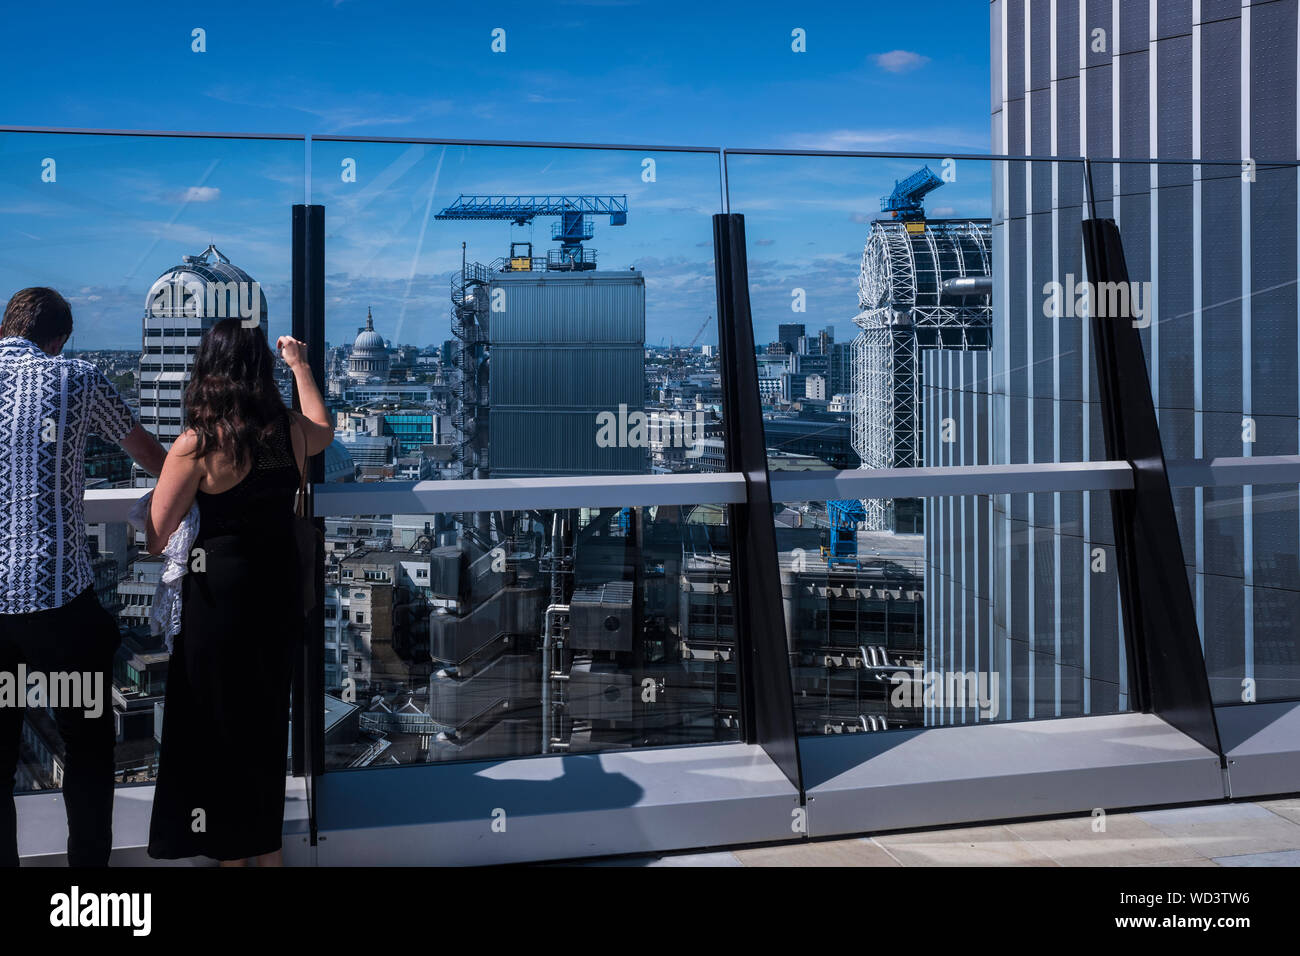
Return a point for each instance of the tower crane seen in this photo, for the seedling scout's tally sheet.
(573, 229)
(700, 332)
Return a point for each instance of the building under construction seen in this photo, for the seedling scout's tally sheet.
(924, 284)
(546, 344)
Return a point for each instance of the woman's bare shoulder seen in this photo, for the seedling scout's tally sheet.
(185, 444)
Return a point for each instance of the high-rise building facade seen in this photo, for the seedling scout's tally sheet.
(789, 334)
(1141, 89)
(183, 303)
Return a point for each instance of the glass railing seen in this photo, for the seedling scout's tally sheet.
(853, 304)
(982, 617)
(1212, 247)
(1216, 315)
(1212, 292)
(905, 325)
(485, 630)
(450, 324)
(560, 631)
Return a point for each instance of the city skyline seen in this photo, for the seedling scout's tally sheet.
(385, 252)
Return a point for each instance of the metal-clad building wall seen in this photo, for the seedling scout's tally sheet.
(565, 347)
(569, 308)
(1209, 79)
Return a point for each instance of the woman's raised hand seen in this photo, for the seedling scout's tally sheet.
(292, 351)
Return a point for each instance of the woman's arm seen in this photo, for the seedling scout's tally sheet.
(317, 425)
(174, 492)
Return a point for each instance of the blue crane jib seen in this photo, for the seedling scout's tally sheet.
(905, 201)
(571, 231)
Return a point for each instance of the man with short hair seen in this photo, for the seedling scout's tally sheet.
(50, 619)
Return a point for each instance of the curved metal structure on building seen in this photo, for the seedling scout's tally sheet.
(921, 286)
(183, 303)
(176, 293)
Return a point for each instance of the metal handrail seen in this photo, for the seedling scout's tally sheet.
(513, 494)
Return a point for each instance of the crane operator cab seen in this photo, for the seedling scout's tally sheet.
(521, 256)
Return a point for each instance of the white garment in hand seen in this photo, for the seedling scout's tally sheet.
(165, 615)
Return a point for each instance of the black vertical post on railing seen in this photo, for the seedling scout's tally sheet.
(309, 674)
(1166, 666)
(762, 653)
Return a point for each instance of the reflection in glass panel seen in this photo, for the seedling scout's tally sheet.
(859, 269)
(501, 312)
(951, 276)
(982, 617)
(151, 240)
(1215, 245)
(476, 635)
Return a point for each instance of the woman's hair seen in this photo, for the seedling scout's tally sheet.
(232, 402)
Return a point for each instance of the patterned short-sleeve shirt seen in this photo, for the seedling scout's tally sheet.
(48, 406)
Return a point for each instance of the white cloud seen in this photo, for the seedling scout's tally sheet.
(900, 61)
(200, 194)
(917, 137)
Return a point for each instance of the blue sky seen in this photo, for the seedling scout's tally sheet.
(125, 209)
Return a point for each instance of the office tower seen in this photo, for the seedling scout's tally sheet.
(789, 334)
(567, 351)
(840, 368)
(809, 363)
(182, 304)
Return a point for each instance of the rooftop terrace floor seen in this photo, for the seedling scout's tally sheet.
(1262, 833)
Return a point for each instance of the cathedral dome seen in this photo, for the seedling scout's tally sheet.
(368, 340)
(369, 359)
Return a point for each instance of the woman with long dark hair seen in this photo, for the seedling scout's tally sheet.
(221, 771)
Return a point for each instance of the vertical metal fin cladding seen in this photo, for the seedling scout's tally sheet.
(762, 650)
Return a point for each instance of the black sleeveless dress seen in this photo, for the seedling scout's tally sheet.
(222, 764)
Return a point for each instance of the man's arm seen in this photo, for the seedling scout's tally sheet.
(145, 450)
(113, 420)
